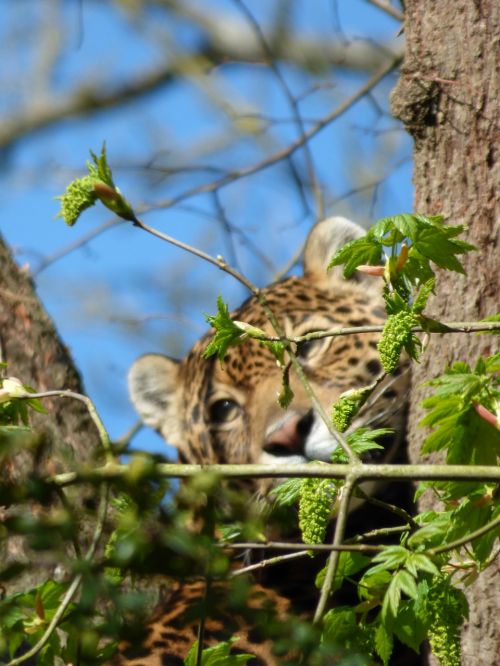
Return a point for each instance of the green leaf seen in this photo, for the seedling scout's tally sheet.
(373, 584)
(360, 441)
(432, 325)
(407, 582)
(391, 557)
(383, 643)
(423, 296)
(418, 562)
(433, 532)
(101, 170)
(341, 629)
(219, 655)
(349, 564)
(410, 626)
(435, 244)
(391, 599)
(82, 193)
(364, 250)
(288, 492)
(227, 333)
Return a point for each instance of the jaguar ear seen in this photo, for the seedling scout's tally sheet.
(324, 239)
(153, 381)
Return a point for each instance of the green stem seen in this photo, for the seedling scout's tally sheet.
(305, 470)
(472, 536)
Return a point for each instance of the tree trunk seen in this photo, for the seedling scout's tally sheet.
(447, 97)
(31, 347)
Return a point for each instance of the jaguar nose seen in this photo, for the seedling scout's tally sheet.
(289, 437)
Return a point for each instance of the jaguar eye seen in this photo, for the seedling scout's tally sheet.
(307, 348)
(223, 411)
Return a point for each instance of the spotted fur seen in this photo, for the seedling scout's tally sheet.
(229, 413)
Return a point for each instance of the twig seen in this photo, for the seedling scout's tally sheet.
(451, 327)
(392, 508)
(283, 545)
(465, 539)
(127, 437)
(301, 471)
(313, 181)
(269, 562)
(81, 242)
(374, 534)
(389, 9)
(220, 263)
(291, 148)
(66, 393)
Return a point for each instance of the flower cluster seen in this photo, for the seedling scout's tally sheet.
(396, 335)
(347, 406)
(447, 608)
(315, 507)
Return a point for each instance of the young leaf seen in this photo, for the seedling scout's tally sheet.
(227, 333)
(383, 643)
(361, 440)
(349, 564)
(288, 492)
(82, 193)
(365, 250)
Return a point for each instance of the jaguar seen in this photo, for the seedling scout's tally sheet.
(227, 412)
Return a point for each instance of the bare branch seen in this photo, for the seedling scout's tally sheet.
(291, 148)
(389, 9)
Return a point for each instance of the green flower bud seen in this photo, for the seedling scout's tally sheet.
(447, 609)
(78, 196)
(347, 406)
(315, 507)
(396, 335)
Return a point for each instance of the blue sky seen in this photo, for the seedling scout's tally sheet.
(126, 293)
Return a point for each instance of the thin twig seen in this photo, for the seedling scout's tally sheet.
(313, 181)
(283, 545)
(289, 150)
(374, 534)
(389, 9)
(81, 242)
(392, 508)
(465, 539)
(220, 263)
(66, 393)
(269, 562)
(451, 327)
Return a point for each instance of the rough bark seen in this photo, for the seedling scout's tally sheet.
(31, 347)
(447, 97)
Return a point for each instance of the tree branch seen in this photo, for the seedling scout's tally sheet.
(365, 471)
